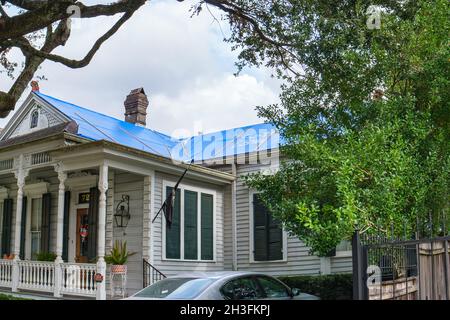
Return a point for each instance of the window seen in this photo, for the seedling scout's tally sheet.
(272, 288)
(267, 234)
(35, 227)
(173, 235)
(207, 232)
(191, 236)
(190, 225)
(34, 119)
(242, 289)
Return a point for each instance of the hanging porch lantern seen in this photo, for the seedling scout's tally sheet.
(122, 215)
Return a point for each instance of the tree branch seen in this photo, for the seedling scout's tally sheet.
(28, 49)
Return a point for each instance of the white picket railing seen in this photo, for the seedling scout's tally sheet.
(36, 275)
(75, 278)
(6, 273)
(78, 279)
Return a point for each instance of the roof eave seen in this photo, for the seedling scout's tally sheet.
(222, 176)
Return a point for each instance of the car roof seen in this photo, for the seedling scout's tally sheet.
(215, 274)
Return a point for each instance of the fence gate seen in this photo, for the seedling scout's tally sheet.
(393, 269)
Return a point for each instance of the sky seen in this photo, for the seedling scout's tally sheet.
(185, 67)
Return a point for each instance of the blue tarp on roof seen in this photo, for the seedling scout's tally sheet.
(225, 143)
(97, 126)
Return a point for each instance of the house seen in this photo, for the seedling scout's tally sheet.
(72, 181)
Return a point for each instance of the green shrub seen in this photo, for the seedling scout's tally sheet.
(10, 297)
(46, 256)
(327, 287)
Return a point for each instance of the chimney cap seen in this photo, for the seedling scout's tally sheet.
(137, 91)
(34, 86)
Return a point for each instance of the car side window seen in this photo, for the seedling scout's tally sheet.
(272, 288)
(241, 289)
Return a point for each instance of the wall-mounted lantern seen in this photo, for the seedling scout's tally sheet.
(122, 215)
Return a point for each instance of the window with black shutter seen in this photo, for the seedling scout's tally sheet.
(207, 228)
(65, 249)
(22, 228)
(190, 225)
(6, 227)
(45, 222)
(267, 234)
(173, 235)
(196, 221)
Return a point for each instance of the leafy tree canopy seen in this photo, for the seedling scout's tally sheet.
(364, 113)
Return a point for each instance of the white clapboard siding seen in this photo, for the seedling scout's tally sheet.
(298, 262)
(173, 267)
(341, 264)
(132, 185)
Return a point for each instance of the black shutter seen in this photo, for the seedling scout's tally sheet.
(190, 225)
(23, 228)
(275, 236)
(173, 234)
(207, 250)
(260, 238)
(268, 233)
(93, 223)
(65, 251)
(45, 226)
(7, 226)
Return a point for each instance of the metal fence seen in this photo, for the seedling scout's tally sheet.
(399, 269)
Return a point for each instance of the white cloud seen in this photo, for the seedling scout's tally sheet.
(211, 105)
(182, 62)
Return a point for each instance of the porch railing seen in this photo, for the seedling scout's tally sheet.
(75, 278)
(35, 275)
(151, 274)
(6, 273)
(78, 279)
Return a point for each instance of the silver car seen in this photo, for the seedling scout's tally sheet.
(227, 285)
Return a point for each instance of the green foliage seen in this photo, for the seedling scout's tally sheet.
(327, 287)
(119, 254)
(46, 256)
(10, 297)
(366, 123)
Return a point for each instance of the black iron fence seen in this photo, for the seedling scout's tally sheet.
(396, 269)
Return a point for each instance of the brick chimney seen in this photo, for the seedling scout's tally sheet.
(136, 105)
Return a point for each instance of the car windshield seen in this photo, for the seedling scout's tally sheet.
(175, 288)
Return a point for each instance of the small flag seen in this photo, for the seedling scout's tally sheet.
(169, 204)
(168, 208)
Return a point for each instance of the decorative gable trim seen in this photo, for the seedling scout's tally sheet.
(21, 122)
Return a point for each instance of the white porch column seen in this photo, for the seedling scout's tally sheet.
(62, 176)
(21, 173)
(101, 264)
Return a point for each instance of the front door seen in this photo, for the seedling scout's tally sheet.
(82, 236)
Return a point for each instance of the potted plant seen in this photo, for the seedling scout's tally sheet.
(118, 257)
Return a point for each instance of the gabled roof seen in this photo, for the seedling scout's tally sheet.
(97, 126)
